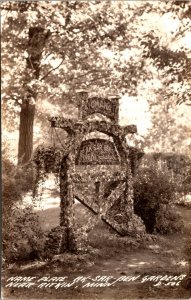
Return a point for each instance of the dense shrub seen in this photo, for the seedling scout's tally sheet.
(168, 220)
(23, 237)
(57, 241)
(54, 242)
(188, 257)
(16, 181)
(180, 167)
(186, 181)
(153, 188)
(11, 191)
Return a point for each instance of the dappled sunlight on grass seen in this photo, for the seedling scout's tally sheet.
(144, 260)
(37, 265)
(46, 201)
(49, 218)
(154, 246)
(48, 196)
(47, 205)
(183, 263)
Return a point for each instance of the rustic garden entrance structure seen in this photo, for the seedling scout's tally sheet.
(97, 171)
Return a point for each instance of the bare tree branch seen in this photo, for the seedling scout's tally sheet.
(53, 69)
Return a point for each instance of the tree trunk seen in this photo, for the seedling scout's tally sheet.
(36, 42)
(26, 132)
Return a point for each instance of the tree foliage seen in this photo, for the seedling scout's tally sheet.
(137, 48)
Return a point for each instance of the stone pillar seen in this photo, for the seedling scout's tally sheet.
(135, 155)
(66, 205)
(115, 99)
(135, 225)
(129, 191)
(82, 95)
(97, 191)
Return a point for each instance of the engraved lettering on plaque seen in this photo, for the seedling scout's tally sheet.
(99, 105)
(97, 152)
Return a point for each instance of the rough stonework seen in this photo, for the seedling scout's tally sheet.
(97, 172)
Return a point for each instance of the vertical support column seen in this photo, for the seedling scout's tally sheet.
(82, 95)
(129, 191)
(97, 192)
(135, 155)
(115, 100)
(66, 204)
(127, 205)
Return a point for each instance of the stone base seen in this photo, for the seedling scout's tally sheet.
(60, 240)
(136, 227)
(53, 242)
(127, 225)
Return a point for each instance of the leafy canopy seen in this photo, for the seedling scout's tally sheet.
(136, 48)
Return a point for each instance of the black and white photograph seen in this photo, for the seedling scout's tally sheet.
(96, 149)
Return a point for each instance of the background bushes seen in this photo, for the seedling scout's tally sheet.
(23, 237)
(188, 258)
(155, 192)
(17, 180)
(168, 220)
(180, 167)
